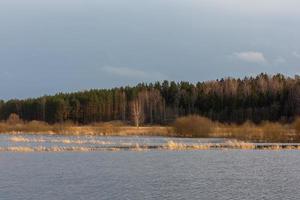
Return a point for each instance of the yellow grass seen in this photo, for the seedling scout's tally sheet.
(105, 129)
(235, 144)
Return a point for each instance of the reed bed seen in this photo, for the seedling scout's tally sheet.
(197, 126)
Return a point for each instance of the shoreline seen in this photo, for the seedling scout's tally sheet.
(253, 134)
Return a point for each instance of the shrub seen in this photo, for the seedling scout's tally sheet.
(246, 131)
(14, 119)
(193, 126)
(296, 125)
(272, 131)
(264, 132)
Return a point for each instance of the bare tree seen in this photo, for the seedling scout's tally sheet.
(155, 106)
(137, 112)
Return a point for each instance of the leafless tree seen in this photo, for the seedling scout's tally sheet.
(137, 112)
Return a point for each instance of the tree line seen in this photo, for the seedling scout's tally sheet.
(260, 98)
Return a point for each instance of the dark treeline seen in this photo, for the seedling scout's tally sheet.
(264, 97)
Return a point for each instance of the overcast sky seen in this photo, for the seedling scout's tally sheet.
(49, 46)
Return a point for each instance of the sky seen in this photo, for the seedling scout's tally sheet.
(50, 46)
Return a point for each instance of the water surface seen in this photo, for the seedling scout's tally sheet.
(153, 174)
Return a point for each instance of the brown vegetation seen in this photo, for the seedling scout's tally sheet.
(190, 126)
(296, 125)
(197, 126)
(193, 126)
(104, 128)
(13, 119)
(263, 132)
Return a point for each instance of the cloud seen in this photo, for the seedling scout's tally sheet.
(296, 54)
(251, 56)
(133, 73)
(257, 7)
(279, 60)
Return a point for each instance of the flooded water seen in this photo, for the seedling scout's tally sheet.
(54, 143)
(151, 174)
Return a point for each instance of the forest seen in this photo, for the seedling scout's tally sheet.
(231, 100)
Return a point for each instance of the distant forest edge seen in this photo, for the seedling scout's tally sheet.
(230, 100)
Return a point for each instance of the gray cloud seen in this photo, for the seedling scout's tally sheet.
(251, 56)
(255, 7)
(63, 45)
(279, 60)
(133, 73)
(296, 54)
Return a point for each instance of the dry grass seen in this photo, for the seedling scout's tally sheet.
(115, 128)
(235, 144)
(45, 149)
(264, 132)
(196, 126)
(296, 126)
(232, 144)
(190, 126)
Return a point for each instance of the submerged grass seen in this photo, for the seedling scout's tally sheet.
(22, 139)
(169, 145)
(232, 144)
